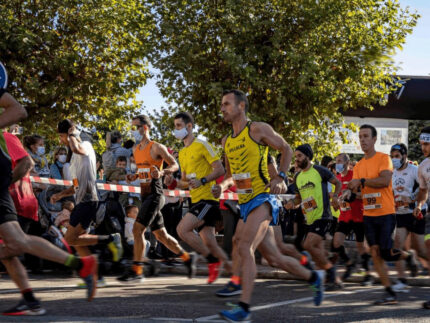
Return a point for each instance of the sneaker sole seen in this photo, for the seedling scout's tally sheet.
(239, 292)
(229, 320)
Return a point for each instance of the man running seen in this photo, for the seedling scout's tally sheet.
(312, 193)
(424, 182)
(372, 175)
(350, 221)
(15, 241)
(246, 150)
(405, 187)
(149, 156)
(200, 167)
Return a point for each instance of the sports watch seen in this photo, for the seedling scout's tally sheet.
(282, 175)
(203, 180)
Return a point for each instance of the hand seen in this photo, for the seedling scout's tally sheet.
(216, 191)
(277, 186)
(131, 178)
(54, 198)
(289, 205)
(346, 195)
(354, 184)
(71, 130)
(417, 212)
(194, 183)
(156, 173)
(335, 202)
(168, 179)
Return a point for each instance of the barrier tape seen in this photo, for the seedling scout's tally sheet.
(124, 188)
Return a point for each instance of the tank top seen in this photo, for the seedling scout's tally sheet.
(248, 164)
(145, 164)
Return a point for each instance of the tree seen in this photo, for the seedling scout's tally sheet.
(84, 60)
(298, 61)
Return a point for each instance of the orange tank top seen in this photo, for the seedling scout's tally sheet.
(145, 164)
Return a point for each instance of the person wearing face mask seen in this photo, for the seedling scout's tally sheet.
(350, 221)
(60, 158)
(405, 188)
(35, 147)
(312, 194)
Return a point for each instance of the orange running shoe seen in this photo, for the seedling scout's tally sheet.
(213, 271)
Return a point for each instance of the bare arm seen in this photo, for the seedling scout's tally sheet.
(162, 152)
(23, 166)
(383, 180)
(108, 140)
(13, 111)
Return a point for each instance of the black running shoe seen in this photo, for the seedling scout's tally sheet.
(25, 308)
(331, 287)
(190, 264)
(412, 264)
(368, 280)
(348, 271)
(426, 305)
(387, 300)
(131, 277)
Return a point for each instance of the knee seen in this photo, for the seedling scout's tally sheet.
(244, 249)
(374, 251)
(137, 232)
(181, 232)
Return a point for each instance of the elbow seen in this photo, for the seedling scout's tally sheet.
(22, 113)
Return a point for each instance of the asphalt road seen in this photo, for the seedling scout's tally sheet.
(178, 299)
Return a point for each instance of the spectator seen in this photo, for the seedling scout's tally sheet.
(60, 158)
(36, 148)
(114, 149)
(118, 173)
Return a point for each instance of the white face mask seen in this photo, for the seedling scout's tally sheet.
(40, 151)
(133, 167)
(62, 158)
(137, 136)
(180, 134)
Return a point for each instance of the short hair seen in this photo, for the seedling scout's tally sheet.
(185, 116)
(128, 144)
(58, 149)
(372, 128)
(326, 160)
(400, 148)
(345, 156)
(65, 125)
(115, 136)
(144, 120)
(128, 208)
(425, 130)
(121, 159)
(239, 96)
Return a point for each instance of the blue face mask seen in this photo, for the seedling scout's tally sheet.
(397, 163)
(41, 150)
(340, 168)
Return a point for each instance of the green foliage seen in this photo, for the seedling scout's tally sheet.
(298, 61)
(414, 147)
(84, 60)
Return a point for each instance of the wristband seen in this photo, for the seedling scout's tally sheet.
(173, 185)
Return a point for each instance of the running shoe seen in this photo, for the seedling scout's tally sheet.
(237, 314)
(231, 289)
(88, 273)
(100, 284)
(318, 288)
(331, 287)
(412, 264)
(115, 247)
(25, 308)
(348, 271)
(190, 264)
(426, 305)
(387, 300)
(400, 287)
(131, 277)
(213, 271)
(308, 264)
(368, 280)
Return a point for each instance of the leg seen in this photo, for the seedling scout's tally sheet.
(207, 235)
(167, 240)
(419, 245)
(313, 245)
(17, 272)
(185, 230)
(77, 236)
(285, 248)
(139, 243)
(399, 242)
(380, 267)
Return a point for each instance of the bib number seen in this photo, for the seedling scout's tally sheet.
(372, 201)
(243, 183)
(345, 206)
(400, 204)
(144, 176)
(309, 204)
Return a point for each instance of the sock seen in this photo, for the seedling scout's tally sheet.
(313, 278)
(343, 255)
(73, 262)
(137, 268)
(244, 306)
(390, 291)
(105, 239)
(211, 259)
(331, 275)
(304, 260)
(365, 261)
(185, 256)
(403, 280)
(28, 295)
(235, 279)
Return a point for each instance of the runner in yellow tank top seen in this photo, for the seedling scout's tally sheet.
(246, 165)
(200, 167)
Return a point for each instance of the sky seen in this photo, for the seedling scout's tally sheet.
(413, 59)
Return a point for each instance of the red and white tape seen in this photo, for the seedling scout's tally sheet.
(123, 188)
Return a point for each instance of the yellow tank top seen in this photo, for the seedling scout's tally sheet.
(248, 164)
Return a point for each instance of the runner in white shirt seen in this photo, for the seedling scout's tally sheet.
(405, 188)
(424, 182)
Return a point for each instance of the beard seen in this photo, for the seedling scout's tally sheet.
(303, 164)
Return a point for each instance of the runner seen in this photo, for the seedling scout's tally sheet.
(149, 156)
(424, 182)
(372, 175)
(200, 167)
(15, 241)
(312, 193)
(350, 221)
(405, 187)
(246, 150)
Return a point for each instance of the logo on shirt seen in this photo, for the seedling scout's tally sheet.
(236, 148)
(307, 186)
(399, 182)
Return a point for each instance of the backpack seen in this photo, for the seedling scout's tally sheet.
(108, 159)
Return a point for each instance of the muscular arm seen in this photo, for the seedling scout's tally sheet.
(218, 170)
(13, 111)
(383, 180)
(162, 153)
(23, 166)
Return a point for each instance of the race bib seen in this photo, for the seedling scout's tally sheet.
(243, 183)
(345, 206)
(144, 177)
(309, 204)
(400, 204)
(372, 201)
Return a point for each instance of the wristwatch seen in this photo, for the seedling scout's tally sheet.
(362, 180)
(203, 180)
(282, 175)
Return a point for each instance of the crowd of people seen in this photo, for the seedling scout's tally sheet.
(378, 202)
